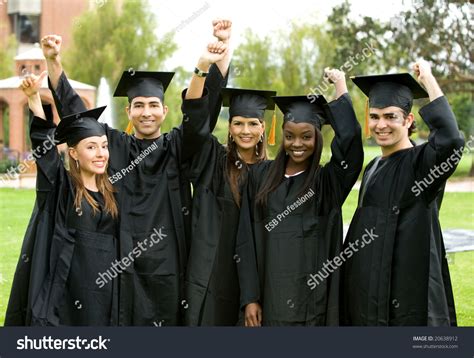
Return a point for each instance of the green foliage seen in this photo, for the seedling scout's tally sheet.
(7, 54)
(440, 32)
(109, 40)
(290, 63)
(6, 164)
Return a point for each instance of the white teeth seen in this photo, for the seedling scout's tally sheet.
(298, 152)
(383, 134)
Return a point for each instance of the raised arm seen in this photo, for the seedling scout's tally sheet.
(42, 130)
(66, 99)
(346, 148)
(195, 105)
(440, 156)
(68, 102)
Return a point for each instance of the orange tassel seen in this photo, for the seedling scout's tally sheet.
(272, 134)
(129, 129)
(366, 120)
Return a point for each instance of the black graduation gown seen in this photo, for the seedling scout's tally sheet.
(275, 261)
(401, 277)
(212, 287)
(63, 249)
(154, 197)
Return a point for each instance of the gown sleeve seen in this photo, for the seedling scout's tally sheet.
(438, 158)
(34, 262)
(48, 161)
(214, 83)
(66, 99)
(194, 128)
(246, 255)
(346, 148)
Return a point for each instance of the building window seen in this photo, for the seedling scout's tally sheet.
(26, 28)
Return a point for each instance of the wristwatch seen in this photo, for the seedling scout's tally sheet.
(200, 73)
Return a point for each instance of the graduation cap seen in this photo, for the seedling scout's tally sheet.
(75, 127)
(143, 84)
(249, 103)
(398, 89)
(301, 109)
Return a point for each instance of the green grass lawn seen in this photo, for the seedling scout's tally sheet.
(457, 212)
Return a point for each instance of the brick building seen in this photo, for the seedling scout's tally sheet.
(29, 21)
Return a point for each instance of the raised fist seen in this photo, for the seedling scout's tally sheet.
(222, 29)
(51, 45)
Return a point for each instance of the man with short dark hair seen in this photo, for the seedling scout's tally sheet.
(395, 271)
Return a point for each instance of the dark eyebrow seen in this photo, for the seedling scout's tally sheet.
(152, 102)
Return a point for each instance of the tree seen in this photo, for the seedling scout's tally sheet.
(290, 63)
(436, 30)
(440, 31)
(111, 39)
(7, 55)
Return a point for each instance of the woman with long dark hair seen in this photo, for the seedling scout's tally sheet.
(218, 173)
(72, 235)
(290, 226)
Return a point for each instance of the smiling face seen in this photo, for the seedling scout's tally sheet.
(92, 153)
(389, 127)
(147, 114)
(299, 142)
(246, 132)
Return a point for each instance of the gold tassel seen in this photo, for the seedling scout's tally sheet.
(272, 134)
(129, 129)
(366, 120)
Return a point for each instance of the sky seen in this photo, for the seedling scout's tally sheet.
(192, 19)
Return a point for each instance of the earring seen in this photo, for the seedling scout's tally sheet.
(231, 138)
(261, 138)
(77, 164)
(256, 150)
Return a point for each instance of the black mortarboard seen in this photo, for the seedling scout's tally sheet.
(301, 109)
(247, 103)
(398, 89)
(75, 127)
(143, 84)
